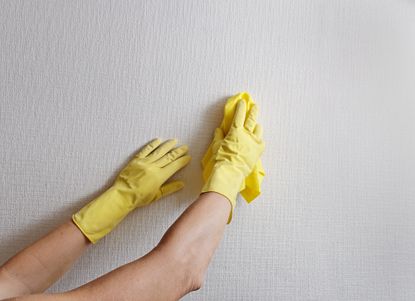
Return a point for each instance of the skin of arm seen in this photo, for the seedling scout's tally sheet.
(38, 266)
(175, 267)
(142, 181)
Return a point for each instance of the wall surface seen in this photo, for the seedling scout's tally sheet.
(84, 84)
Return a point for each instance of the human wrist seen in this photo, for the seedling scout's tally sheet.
(225, 180)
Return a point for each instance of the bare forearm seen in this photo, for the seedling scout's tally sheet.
(173, 268)
(38, 266)
(198, 231)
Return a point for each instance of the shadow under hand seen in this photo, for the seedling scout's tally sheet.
(200, 140)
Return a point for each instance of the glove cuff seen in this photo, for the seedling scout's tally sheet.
(225, 180)
(102, 215)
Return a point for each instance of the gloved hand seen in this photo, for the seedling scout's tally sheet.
(235, 155)
(138, 184)
(251, 187)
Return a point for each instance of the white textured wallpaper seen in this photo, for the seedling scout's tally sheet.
(84, 84)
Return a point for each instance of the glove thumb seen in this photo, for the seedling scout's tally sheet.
(169, 188)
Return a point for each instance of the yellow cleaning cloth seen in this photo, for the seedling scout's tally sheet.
(251, 187)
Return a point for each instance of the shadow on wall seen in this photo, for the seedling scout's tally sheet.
(201, 137)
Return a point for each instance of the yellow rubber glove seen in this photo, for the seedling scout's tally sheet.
(138, 184)
(235, 154)
(251, 186)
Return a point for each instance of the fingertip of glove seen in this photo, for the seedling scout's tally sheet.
(155, 141)
(171, 187)
(169, 142)
(185, 148)
(188, 158)
(241, 104)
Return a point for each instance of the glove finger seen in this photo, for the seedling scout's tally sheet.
(258, 131)
(240, 113)
(176, 165)
(172, 155)
(171, 187)
(148, 148)
(251, 119)
(162, 150)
